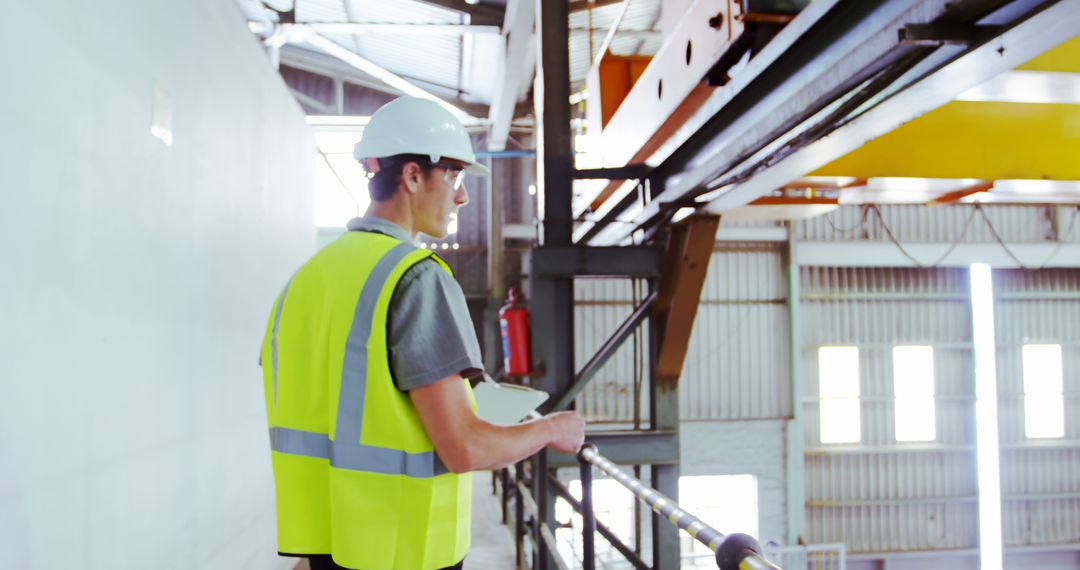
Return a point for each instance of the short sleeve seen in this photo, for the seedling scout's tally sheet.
(430, 332)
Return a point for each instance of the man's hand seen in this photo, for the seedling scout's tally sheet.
(567, 431)
(466, 443)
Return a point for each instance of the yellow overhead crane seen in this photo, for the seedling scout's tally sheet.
(986, 140)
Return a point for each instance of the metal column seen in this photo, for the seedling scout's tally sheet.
(552, 297)
(796, 478)
(686, 263)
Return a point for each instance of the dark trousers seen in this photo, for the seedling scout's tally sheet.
(324, 562)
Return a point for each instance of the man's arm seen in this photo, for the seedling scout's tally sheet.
(465, 442)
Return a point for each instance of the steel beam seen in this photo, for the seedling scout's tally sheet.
(664, 416)
(802, 97)
(795, 457)
(606, 351)
(553, 326)
(517, 31)
(777, 50)
(665, 479)
(1040, 31)
(941, 34)
(555, 149)
(312, 102)
(669, 91)
(628, 172)
(641, 261)
(686, 263)
(395, 28)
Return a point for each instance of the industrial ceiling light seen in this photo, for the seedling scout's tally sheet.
(986, 417)
(1027, 87)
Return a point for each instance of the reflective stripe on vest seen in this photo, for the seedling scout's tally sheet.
(346, 451)
(355, 456)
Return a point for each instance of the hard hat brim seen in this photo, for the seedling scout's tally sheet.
(478, 169)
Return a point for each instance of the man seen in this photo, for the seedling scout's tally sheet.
(366, 355)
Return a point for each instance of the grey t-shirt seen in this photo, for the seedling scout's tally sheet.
(430, 333)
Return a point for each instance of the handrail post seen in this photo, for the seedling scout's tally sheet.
(504, 482)
(519, 517)
(588, 518)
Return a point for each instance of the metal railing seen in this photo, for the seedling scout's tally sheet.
(732, 551)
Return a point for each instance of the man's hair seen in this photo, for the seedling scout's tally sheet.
(385, 182)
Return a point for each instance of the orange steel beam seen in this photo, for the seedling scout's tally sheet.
(686, 264)
(957, 195)
(793, 201)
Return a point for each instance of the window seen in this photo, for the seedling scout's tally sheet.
(728, 503)
(913, 387)
(838, 386)
(340, 183)
(613, 507)
(1044, 401)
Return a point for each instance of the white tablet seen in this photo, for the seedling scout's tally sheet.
(506, 404)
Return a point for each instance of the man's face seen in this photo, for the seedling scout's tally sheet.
(437, 198)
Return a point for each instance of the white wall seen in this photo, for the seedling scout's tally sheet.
(135, 280)
(736, 447)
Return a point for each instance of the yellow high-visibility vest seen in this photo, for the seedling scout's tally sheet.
(355, 473)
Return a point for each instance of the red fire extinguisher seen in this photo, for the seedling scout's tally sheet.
(514, 324)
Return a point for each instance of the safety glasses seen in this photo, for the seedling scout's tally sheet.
(454, 175)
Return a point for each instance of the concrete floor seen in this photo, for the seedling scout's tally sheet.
(492, 541)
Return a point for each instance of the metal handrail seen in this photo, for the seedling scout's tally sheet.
(733, 551)
(548, 537)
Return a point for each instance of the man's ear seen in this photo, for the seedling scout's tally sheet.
(410, 177)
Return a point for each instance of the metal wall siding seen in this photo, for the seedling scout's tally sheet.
(880, 496)
(601, 305)
(736, 366)
(914, 223)
(894, 527)
(1039, 482)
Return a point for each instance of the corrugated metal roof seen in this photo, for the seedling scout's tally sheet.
(641, 15)
(320, 11)
(434, 61)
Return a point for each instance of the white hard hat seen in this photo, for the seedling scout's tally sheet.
(411, 125)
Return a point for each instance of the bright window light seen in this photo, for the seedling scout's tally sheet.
(728, 503)
(986, 420)
(1044, 401)
(340, 193)
(838, 383)
(613, 506)
(913, 387)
